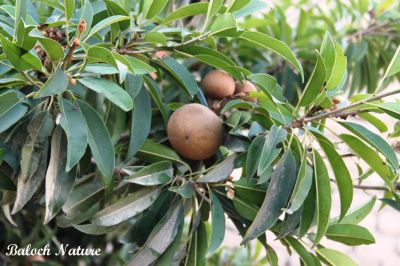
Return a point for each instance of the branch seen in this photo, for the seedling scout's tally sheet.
(366, 187)
(338, 112)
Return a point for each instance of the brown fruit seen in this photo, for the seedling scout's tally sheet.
(195, 132)
(218, 85)
(246, 87)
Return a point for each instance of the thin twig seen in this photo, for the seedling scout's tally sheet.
(367, 187)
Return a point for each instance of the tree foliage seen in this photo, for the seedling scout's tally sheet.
(87, 89)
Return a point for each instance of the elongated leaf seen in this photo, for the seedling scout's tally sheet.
(184, 77)
(141, 121)
(342, 175)
(126, 207)
(187, 11)
(305, 256)
(350, 234)
(69, 7)
(156, 7)
(268, 85)
(74, 125)
(217, 225)
(139, 67)
(105, 23)
(87, 16)
(21, 11)
(303, 185)
(374, 140)
(160, 238)
(59, 183)
(315, 83)
(56, 84)
(275, 45)
(269, 152)
(11, 109)
(278, 193)
(99, 142)
(221, 171)
(323, 195)
(394, 66)
(369, 156)
(358, 214)
(197, 247)
(155, 174)
(254, 155)
(335, 258)
(92, 229)
(111, 91)
(328, 54)
(213, 8)
(338, 70)
(224, 24)
(53, 49)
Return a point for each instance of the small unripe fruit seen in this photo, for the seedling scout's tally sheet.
(72, 82)
(161, 54)
(82, 26)
(76, 42)
(195, 132)
(218, 85)
(246, 87)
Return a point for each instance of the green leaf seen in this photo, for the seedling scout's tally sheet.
(268, 85)
(394, 66)
(155, 152)
(56, 84)
(342, 175)
(220, 172)
(270, 151)
(254, 155)
(338, 70)
(374, 140)
(155, 93)
(74, 125)
(315, 83)
(69, 7)
(303, 185)
(217, 225)
(392, 109)
(278, 193)
(224, 23)
(59, 183)
(183, 76)
(141, 121)
(21, 7)
(110, 90)
(156, 7)
(196, 255)
(373, 120)
(237, 5)
(328, 54)
(323, 195)
(92, 229)
(151, 175)
(369, 156)
(275, 45)
(23, 39)
(160, 238)
(86, 15)
(115, 9)
(126, 207)
(350, 234)
(335, 258)
(11, 109)
(139, 67)
(53, 49)
(358, 214)
(187, 11)
(156, 37)
(305, 256)
(105, 23)
(100, 143)
(213, 8)
(21, 59)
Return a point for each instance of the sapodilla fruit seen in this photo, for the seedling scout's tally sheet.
(195, 132)
(246, 87)
(218, 85)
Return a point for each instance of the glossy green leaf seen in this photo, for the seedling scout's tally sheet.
(278, 193)
(110, 90)
(21, 11)
(375, 121)
(156, 7)
(151, 175)
(126, 207)
(160, 238)
(374, 140)
(275, 45)
(74, 125)
(141, 121)
(59, 183)
(305, 256)
(323, 195)
(369, 156)
(100, 143)
(213, 8)
(254, 155)
(335, 258)
(315, 83)
(56, 84)
(328, 54)
(268, 85)
(69, 7)
(350, 234)
(12, 109)
(197, 247)
(187, 11)
(357, 215)
(342, 174)
(217, 225)
(156, 37)
(394, 66)
(87, 16)
(92, 229)
(105, 23)
(224, 23)
(220, 172)
(338, 70)
(53, 49)
(139, 67)
(157, 96)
